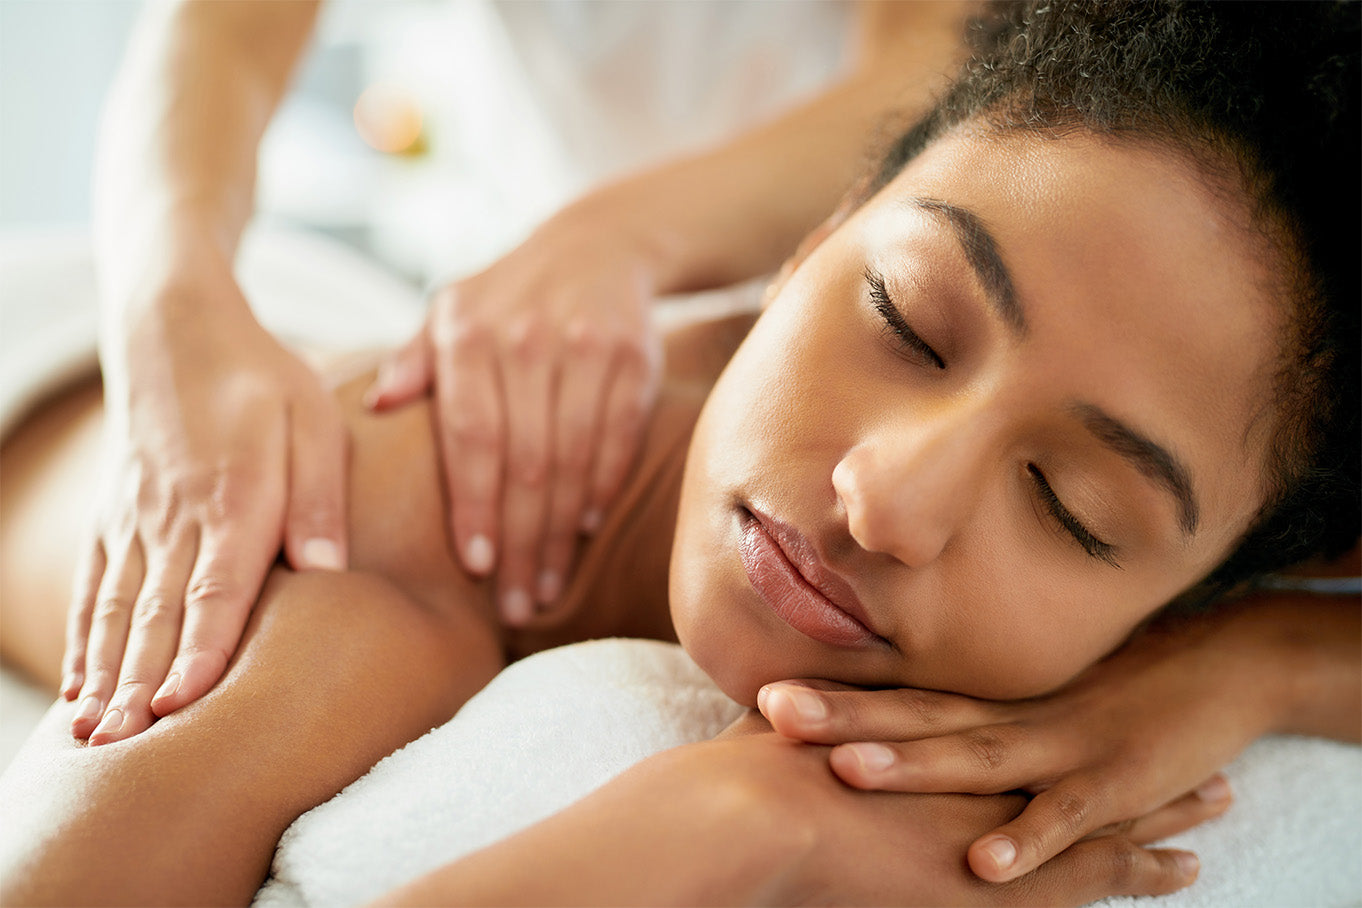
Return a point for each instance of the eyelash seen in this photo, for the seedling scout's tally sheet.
(1091, 544)
(908, 338)
(894, 321)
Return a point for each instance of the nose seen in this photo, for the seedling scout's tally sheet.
(909, 488)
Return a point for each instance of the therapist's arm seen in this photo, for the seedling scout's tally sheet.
(546, 364)
(222, 444)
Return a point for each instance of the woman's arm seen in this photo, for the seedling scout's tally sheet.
(759, 820)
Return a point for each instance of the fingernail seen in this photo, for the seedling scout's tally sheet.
(113, 721)
(1188, 863)
(874, 758)
(89, 708)
(761, 698)
(516, 607)
(479, 554)
(549, 586)
(322, 555)
(169, 688)
(591, 521)
(1214, 790)
(1003, 852)
(808, 707)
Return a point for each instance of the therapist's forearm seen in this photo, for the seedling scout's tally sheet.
(175, 167)
(738, 210)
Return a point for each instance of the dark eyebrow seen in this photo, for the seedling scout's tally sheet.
(1149, 457)
(982, 253)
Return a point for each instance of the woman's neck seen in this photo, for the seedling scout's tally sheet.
(619, 587)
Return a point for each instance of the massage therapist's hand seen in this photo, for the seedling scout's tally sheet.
(1152, 722)
(544, 369)
(223, 445)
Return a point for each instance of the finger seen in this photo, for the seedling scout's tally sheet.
(83, 592)
(1210, 799)
(108, 633)
(1102, 867)
(984, 760)
(527, 377)
(153, 635)
(404, 376)
(1055, 819)
(218, 598)
(580, 395)
(632, 389)
(471, 430)
(314, 524)
(804, 713)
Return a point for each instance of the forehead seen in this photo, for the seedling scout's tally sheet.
(1143, 287)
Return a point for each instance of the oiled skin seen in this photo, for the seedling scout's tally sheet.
(335, 669)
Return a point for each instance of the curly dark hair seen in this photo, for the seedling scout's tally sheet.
(1265, 97)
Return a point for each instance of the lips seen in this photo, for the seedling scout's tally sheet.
(786, 572)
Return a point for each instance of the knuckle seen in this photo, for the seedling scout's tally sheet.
(526, 341)
(987, 747)
(100, 678)
(528, 468)
(134, 689)
(154, 609)
(921, 707)
(209, 590)
(470, 430)
(1123, 865)
(1073, 808)
(109, 608)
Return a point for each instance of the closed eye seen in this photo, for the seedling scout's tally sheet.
(1072, 525)
(906, 338)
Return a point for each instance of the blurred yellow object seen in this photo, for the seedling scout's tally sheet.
(388, 118)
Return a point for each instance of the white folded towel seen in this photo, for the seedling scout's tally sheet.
(555, 726)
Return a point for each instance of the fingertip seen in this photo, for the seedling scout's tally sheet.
(549, 587)
(994, 858)
(1188, 864)
(167, 696)
(1215, 790)
(516, 607)
(591, 521)
(88, 713)
(71, 683)
(479, 555)
(320, 554)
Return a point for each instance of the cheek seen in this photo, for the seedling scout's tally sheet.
(1036, 638)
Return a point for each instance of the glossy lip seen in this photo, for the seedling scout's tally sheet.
(787, 573)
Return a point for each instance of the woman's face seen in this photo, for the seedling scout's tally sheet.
(990, 423)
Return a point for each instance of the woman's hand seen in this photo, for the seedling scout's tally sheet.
(544, 368)
(221, 444)
(758, 819)
(1150, 723)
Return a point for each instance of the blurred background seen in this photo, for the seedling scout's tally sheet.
(430, 134)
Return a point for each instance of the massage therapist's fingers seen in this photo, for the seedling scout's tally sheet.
(471, 428)
(217, 601)
(632, 390)
(83, 592)
(1208, 801)
(1102, 867)
(314, 523)
(404, 376)
(528, 381)
(812, 712)
(108, 632)
(581, 390)
(152, 638)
